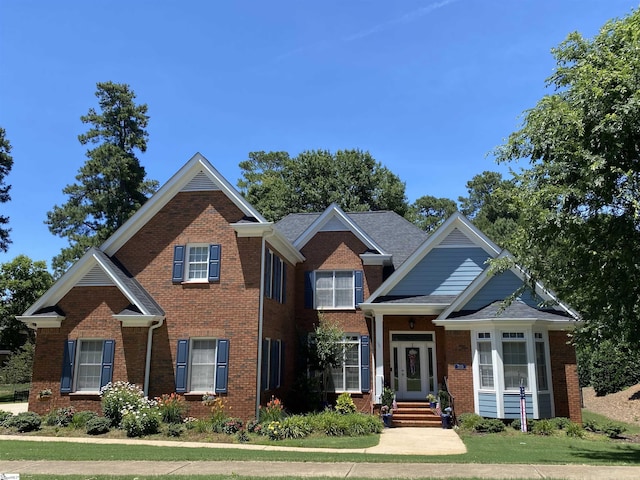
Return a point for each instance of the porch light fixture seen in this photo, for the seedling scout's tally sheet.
(412, 323)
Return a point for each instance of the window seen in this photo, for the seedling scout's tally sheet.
(87, 365)
(271, 363)
(541, 363)
(196, 263)
(202, 365)
(346, 378)
(274, 277)
(514, 359)
(485, 360)
(334, 289)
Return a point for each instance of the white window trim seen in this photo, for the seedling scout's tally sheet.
(190, 364)
(351, 339)
(528, 346)
(477, 371)
(352, 305)
(76, 367)
(187, 264)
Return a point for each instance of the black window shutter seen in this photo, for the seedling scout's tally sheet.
(178, 264)
(108, 350)
(222, 366)
(182, 367)
(68, 357)
(359, 287)
(365, 369)
(308, 289)
(214, 263)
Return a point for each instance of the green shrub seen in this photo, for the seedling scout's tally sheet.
(574, 430)
(120, 397)
(174, 430)
(60, 417)
(98, 425)
(201, 426)
(612, 429)
(24, 422)
(516, 424)
(18, 367)
(614, 366)
(468, 421)
(172, 408)
(4, 416)
(344, 404)
(561, 423)
(296, 426)
(591, 426)
(231, 426)
(80, 419)
(490, 425)
(145, 421)
(273, 430)
(242, 436)
(543, 427)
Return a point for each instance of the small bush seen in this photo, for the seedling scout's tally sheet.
(574, 430)
(591, 426)
(172, 408)
(543, 427)
(98, 425)
(200, 426)
(296, 426)
(24, 422)
(174, 430)
(121, 397)
(231, 426)
(242, 436)
(561, 423)
(61, 417)
(613, 430)
(145, 421)
(468, 421)
(490, 425)
(80, 419)
(344, 404)
(4, 416)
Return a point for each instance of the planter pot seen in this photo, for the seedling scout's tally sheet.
(387, 419)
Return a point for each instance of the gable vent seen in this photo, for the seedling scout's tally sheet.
(200, 183)
(456, 239)
(334, 225)
(96, 277)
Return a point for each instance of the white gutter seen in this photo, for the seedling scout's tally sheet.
(147, 366)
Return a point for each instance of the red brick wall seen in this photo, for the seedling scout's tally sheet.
(336, 251)
(566, 388)
(458, 350)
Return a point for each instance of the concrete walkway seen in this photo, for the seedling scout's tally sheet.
(395, 441)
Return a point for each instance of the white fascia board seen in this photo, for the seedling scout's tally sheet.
(137, 320)
(41, 321)
(334, 210)
(169, 190)
(455, 324)
(457, 220)
(375, 259)
(402, 308)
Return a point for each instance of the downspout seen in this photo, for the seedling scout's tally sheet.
(147, 366)
(260, 322)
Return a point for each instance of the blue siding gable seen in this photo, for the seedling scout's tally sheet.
(498, 288)
(443, 271)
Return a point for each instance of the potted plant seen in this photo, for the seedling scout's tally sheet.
(45, 394)
(387, 401)
(431, 398)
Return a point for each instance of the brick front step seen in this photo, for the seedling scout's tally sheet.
(415, 414)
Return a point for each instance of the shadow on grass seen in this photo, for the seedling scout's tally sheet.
(623, 453)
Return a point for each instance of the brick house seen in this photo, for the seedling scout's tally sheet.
(198, 293)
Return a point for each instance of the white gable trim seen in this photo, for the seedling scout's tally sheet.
(328, 219)
(73, 277)
(481, 280)
(194, 168)
(455, 221)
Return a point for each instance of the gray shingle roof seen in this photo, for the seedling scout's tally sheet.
(143, 297)
(516, 310)
(390, 231)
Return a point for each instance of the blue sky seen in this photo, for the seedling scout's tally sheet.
(429, 87)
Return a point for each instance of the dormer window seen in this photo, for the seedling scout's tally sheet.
(196, 263)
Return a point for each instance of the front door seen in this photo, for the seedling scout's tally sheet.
(413, 365)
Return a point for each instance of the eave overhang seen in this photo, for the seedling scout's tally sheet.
(275, 237)
(41, 321)
(403, 308)
(458, 324)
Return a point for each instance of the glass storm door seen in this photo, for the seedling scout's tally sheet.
(413, 367)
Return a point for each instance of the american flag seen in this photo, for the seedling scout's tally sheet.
(438, 410)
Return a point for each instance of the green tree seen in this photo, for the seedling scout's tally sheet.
(491, 206)
(6, 162)
(579, 197)
(277, 184)
(22, 282)
(111, 184)
(19, 366)
(326, 350)
(429, 212)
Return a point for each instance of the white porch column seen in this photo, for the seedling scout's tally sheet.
(379, 358)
